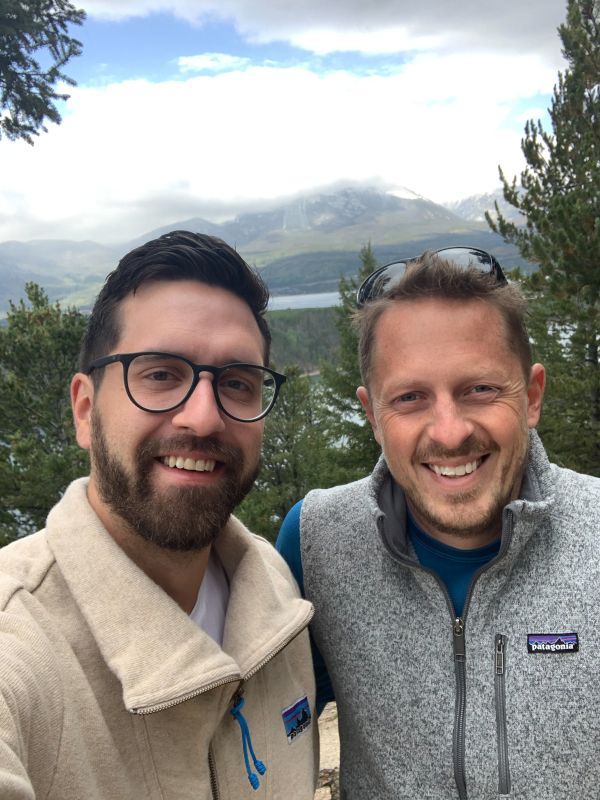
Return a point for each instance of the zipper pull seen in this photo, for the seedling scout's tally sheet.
(458, 630)
(499, 654)
(236, 713)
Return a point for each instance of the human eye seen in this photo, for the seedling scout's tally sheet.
(159, 372)
(240, 382)
(159, 375)
(483, 391)
(236, 385)
(408, 397)
(407, 402)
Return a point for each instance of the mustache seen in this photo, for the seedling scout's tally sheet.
(473, 446)
(211, 447)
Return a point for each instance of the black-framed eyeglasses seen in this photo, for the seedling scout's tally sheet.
(159, 382)
(384, 279)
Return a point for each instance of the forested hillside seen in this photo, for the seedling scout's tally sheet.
(303, 337)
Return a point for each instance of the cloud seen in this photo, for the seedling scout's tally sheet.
(352, 25)
(438, 110)
(212, 62)
(134, 155)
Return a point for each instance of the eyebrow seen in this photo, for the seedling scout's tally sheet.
(228, 360)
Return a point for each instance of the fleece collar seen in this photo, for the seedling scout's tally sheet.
(388, 505)
(158, 654)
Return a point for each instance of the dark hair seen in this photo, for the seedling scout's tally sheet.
(433, 277)
(175, 256)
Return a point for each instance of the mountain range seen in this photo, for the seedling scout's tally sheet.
(301, 245)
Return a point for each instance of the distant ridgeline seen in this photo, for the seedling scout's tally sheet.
(301, 246)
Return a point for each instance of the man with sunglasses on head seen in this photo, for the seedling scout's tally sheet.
(456, 589)
(151, 646)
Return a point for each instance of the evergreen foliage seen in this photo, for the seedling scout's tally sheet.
(559, 198)
(303, 336)
(38, 452)
(33, 33)
(317, 435)
(356, 449)
(294, 455)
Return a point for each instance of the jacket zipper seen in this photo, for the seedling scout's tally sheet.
(458, 639)
(461, 680)
(184, 697)
(237, 679)
(502, 734)
(458, 738)
(212, 769)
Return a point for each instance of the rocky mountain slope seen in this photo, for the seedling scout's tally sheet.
(301, 245)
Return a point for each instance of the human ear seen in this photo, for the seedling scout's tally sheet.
(535, 394)
(362, 394)
(82, 402)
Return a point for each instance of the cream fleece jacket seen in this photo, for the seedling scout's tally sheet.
(108, 691)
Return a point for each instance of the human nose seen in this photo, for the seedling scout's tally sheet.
(449, 427)
(200, 412)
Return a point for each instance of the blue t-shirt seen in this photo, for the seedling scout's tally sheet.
(288, 544)
(455, 567)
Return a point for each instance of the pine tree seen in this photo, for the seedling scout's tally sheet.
(31, 33)
(356, 451)
(294, 456)
(38, 453)
(559, 198)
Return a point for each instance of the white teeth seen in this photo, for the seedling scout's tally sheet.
(191, 464)
(458, 471)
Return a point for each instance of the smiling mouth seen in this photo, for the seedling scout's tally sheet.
(457, 471)
(190, 464)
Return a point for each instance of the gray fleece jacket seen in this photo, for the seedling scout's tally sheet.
(504, 702)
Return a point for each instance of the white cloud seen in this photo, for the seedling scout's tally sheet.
(387, 41)
(227, 134)
(211, 62)
(133, 155)
(342, 25)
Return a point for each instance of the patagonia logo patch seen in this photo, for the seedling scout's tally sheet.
(552, 643)
(296, 719)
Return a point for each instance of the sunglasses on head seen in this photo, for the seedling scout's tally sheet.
(384, 279)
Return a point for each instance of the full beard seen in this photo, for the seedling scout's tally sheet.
(462, 516)
(180, 519)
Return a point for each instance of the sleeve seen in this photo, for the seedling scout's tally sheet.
(30, 717)
(288, 545)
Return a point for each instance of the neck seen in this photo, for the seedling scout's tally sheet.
(179, 574)
(462, 538)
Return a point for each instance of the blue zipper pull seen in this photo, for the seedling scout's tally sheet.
(236, 712)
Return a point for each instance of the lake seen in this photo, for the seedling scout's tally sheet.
(320, 300)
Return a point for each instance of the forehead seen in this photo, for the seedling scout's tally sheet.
(189, 318)
(430, 334)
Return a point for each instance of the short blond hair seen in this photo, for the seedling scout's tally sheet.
(431, 276)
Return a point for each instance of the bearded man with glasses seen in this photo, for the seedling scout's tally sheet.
(456, 589)
(151, 646)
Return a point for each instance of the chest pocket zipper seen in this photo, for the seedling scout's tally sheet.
(501, 728)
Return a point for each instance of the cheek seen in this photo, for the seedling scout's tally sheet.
(397, 438)
(249, 437)
(124, 426)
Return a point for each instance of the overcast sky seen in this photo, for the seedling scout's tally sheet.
(210, 107)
